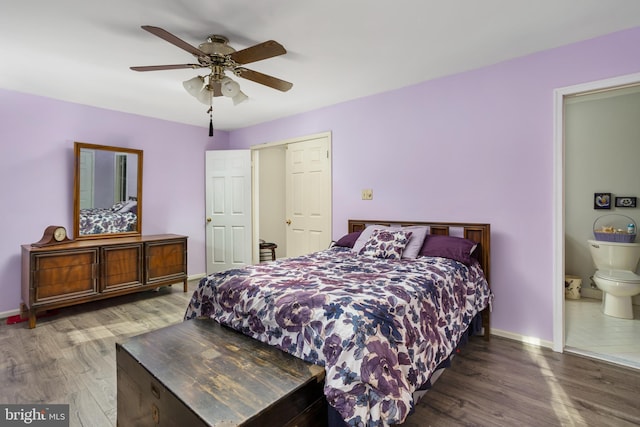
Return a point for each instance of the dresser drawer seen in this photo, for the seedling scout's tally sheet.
(63, 276)
(121, 267)
(166, 261)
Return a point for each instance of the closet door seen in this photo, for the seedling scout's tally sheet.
(308, 195)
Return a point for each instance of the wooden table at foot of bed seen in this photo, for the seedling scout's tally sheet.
(198, 373)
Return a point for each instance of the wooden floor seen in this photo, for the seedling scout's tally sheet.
(70, 358)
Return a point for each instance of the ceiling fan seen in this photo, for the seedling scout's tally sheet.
(218, 57)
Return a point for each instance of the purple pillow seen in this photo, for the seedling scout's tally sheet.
(455, 248)
(348, 240)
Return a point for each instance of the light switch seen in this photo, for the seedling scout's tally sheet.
(367, 194)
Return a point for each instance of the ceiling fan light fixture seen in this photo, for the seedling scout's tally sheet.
(193, 86)
(229, 88)
(240, 97)
(204, 95)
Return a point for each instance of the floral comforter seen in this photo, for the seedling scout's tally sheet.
(98, 221)
(379, 327)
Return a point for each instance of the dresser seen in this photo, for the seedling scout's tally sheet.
(89, 270)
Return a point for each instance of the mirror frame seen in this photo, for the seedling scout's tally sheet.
(77, 146)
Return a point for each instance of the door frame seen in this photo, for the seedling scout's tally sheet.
(558, 228)
(255, 185)
(87, 160)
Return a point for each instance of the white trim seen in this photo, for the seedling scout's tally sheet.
(521, 338)
(9, 313)
(255, 205)
(558, 193)
(196, 277)
(292, 140)
(557, 269)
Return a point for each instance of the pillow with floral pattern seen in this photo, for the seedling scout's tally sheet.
(386, 243)
(117, 206)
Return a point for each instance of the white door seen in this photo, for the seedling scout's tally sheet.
(308, 197)
(228, 209)
(87, 161)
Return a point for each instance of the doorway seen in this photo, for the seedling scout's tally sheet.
(292, 194)
(568, 253)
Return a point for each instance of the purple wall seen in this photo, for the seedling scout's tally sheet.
(477, 147)
(36, 174)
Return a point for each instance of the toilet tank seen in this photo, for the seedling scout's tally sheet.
(614, 256)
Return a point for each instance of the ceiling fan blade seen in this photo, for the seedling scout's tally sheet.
(165, 67)
(258, 52)
(165, 35)
(263, 79)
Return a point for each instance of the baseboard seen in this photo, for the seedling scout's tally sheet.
(591, 293)
(196, 277)
(521, 338)
(7, 314)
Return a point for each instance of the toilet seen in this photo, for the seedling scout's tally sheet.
(615, 275)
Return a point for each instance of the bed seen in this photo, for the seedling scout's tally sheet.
(120, 218)
(380, 316)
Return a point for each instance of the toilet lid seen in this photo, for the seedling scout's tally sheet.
(618, 276)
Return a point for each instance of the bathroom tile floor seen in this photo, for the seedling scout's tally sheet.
(589, 332)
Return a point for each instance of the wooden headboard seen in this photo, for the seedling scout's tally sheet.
(479, 233)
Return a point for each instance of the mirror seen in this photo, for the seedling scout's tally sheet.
(107, 197)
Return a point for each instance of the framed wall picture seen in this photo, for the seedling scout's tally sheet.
(602, 201)
(625, 202)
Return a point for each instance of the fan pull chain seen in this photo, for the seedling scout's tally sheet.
(210, 126)
(210, 90)
(210, 120)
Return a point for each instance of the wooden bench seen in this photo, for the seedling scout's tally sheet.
(198, 373)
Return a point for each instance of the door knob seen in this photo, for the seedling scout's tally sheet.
(208, 219)
(288, 222)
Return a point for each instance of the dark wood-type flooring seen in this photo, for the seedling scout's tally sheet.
(70, 358)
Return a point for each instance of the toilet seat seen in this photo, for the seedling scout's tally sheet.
(621, 276)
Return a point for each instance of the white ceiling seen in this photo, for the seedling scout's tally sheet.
(81, 50)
